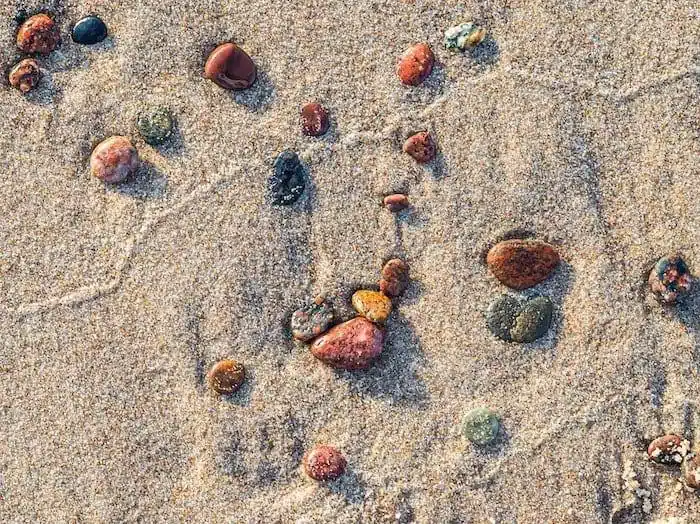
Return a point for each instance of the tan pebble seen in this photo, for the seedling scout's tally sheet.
(25, 75)
(114, 159)
(373, 305)
(226, 376)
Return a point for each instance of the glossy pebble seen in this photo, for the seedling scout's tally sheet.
(226, 376)
(89, 30)
(230, 67)
(287, 183)
(314, 119)
(520, 264)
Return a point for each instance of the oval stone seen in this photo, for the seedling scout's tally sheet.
(421, 147)
(670, 279)
(520, 264)
(481, 426)
(311, 320)
(226, 376)
(396, 202)
(89, 30)
(394, 278)
(314, 119)
(416, 64)
(373, 305)
(512, 320)
(230, 67)
(155, 125)
(38, 34)
(286, 184)
(114, 159)
(25, 75)
(352, 345)
(324, 463)
(690, 471)
(668, 449)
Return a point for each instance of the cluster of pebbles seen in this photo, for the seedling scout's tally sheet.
(672, 450)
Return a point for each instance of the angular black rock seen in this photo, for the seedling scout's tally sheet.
(287, 184)
(89, 30)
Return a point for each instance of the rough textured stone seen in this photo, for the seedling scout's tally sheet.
(416, 64)
(324, 463)
(396, 202)
(314, 119)
(516, 321)
(25, 75)
(669, 449)
(464, 36)
(481, 426)
(354, 344)
(226, 376)
(394, 278)
(311, 320)
(38, 34)
(155, 125)
(114, 159)
(230, 67)
(373, 305)
(89, 30)
(287, 183)
(520, 264)
(501, 315)
(670, 279)
(421, 147)
(690, 471)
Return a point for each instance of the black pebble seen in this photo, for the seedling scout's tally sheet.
(89, 30)
(21, 16)
(286, 185)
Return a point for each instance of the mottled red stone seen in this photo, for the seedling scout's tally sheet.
(669, 449)
(354, 344)
(38, 34)
(25, 75)
(324, 463)
(415, 64)
(114, 159)
(394, 278)
(314, 119)
(226, 376)
(520, 264)
(396, 203)
(230, 67)
(421, 147)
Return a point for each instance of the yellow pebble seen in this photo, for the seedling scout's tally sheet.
(372, 305)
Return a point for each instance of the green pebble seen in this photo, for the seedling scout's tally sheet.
(500, 316)
(155, 125)
(480, 426)
(533, 321)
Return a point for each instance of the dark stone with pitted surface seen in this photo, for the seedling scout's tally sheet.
(515, 321)
(89, 30)
(287, 183)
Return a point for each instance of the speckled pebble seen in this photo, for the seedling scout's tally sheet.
(481, 426)
(352, 345)
(314, 119)
(415, 64)
(520, 264)
(324, 463)
(25, 75)
(311, 320)
(668, 449)
(38, 34)
(373, 305)
(287, 183)
(513, 320)
(155, 125)
(421, 147)
(464, 36)
(670, 279)
(114, 160)
(226, 376)
(690, 471)
(89, 30)
(394, 278)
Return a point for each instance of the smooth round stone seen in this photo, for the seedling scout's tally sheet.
(114, 159)
(421, 147)
(515, 321)
(311, 320)
(415, 64)
(352, 345)
(287, 183)
(394, 278)
(38, 34)
(25, 75)
(230, 67)
(668, 449)
(396, 202)
(520, 264)
(481, 426)
(89, 30)
(464, 36)
(226, 376)
(155, 125)
(324, 463)
(373, 305)
(314, 119)
(670, 279)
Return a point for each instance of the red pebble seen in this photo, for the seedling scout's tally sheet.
(396, 203)
(38, 34)
(415, 64)
(25, 75)
(421, 147)
(324, 463)
(314, 119)
(114, 159)
(354, 344)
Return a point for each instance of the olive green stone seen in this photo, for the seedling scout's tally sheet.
(155, 125)
(533, 321)
(480, 426)
(500, 316)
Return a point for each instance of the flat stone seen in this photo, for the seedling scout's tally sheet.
(464, 36)
(481, 426)
(373, 305)
(38, 34)
(230, 67)
(287, 183)
(668, 449)
(314, 119)
(415, 64)
(396, 202)
(520, 264)
(513, 320)
(352, 345)
(226, 376)
(155, 125)
(89, 30)
(670, 279)
(421, 147)
(311, 320)
(114, 159)
(394, 278)
(25, 75)
(324, 463)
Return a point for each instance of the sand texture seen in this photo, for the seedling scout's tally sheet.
(576, 120)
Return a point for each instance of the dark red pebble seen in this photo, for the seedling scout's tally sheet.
(324, 463)
(230, 67)
(421, 147)
(314, 119)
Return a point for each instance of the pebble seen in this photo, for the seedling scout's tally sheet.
(226, 376)
(511, 320)
(670, 279)
(324, 463)
(314, 119)
(114, 159)
(668, 449)
(373, 305)
(155, 125)
(230, 67)
(481, 426)
(352, 345)
(690, 471)
(312, 320)
(416, 64)
(38, 34)
(464, 36)
(394, 278)
(89, 30)
(421, 147)
(396, 202)
(25, 75)
(520, 264)
(287, 184)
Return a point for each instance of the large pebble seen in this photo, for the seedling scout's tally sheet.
(114, 159)
(311, 320)
(481, 426)
(354, 344)
(415, 64)
(287, 183)
(516, 321)
(373, 305)
(324, 463)
(421, 147)
(38, 34)
(669, 449)
(25, 75)
(89, 30)
(230, 67)
(226, 376)
(520, 264)
(670, 279)
(394, 278)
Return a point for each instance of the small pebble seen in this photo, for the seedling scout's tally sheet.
(520, 264)
(481, 426)
(230, 67)
(669, 449)
(38, 34)
(511, 320)
(324, 463)
(464, 36)
(287, 184)
(114, 159)
(226, 376)
(396, 202)
(311, 320)
(421, 147)
(670, 279)
(314, 119)
(416, 64)
(89, 30)
(25, 75)
(352, 345)
(373, 305)
(394, 278)
(155, 125)
(690, 471)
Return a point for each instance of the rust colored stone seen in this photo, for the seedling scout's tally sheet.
(669, 449)
(25, 75)
(394, 278)
(520, 264)
(354, 344)
(38, 34)
(690, 471)
(314, 119)
(421, 147)
(324, 463)
(114, 159)
(396, 203)
(226, 376)
(416, 64)
(230, 67)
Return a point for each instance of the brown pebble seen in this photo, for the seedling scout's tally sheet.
(230, 67)
(25, 75)
(396, 203)
(38, 34)
(421, 147)
(415, 64)
(394, 277)
(690, 470)
(520, 264)
(314, 119)
(226, 377)
(669, 449)
(354, 344)
(114, 159)
(324, 463)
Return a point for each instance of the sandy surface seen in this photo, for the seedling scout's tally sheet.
(577, 120)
